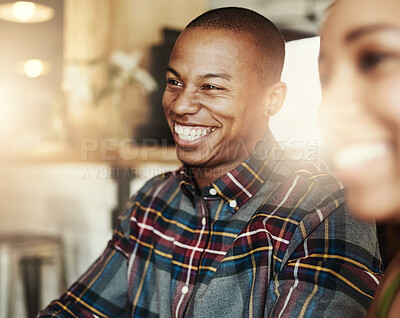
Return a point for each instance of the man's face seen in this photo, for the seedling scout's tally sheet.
(214, 99)
(360, 77)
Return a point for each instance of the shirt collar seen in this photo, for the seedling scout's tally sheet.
(241, 183)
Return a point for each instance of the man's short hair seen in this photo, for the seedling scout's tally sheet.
(266, 36)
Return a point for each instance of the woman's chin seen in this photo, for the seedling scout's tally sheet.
(379, 203)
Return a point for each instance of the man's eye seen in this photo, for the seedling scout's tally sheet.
(174, 82)
(211, 87)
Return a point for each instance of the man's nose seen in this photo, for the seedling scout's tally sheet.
(186, 103)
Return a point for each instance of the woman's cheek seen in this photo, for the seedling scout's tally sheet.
(386, 102)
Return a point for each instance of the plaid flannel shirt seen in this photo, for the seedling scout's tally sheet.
(272, 238)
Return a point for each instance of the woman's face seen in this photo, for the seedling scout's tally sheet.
(360, 114)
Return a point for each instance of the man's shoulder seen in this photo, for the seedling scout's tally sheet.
(155, 184)
(315, 172)
(317, 175)
(156, 189)
(310, 204)
(305, 186)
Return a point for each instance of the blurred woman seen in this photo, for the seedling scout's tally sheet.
(359, 67)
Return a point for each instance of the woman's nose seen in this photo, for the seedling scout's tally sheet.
(341, 99)
(341, 107)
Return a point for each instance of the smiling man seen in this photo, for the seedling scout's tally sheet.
(242, 229)
(222, 86)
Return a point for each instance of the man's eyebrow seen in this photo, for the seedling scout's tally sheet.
(170, 69)
(216, 75)
(204, 76)
(366, 30)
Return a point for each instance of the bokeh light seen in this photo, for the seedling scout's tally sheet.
(23, 10)
(33, 68)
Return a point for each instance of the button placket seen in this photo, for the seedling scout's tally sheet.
(201, 244)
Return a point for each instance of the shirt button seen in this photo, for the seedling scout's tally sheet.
(203, 221)
(233, 204)
(185, 290)
(213, 191)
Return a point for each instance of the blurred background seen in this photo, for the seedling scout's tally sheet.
(82, 125)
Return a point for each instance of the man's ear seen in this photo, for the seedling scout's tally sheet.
(276, 97)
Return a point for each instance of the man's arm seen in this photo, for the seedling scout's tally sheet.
(333, 271)
(102, 290)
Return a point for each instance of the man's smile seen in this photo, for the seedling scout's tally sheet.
(191, 133)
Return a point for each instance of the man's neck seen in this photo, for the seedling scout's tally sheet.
(205, 175)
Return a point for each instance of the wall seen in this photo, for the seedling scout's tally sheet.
(96, 28)
(60, 199)
(137, 24)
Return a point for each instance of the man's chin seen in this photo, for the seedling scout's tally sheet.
(195, 159)
(192, 163)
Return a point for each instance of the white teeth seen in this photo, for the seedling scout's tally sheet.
(361, 153)
(186, 133)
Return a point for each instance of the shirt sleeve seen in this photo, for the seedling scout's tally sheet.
(332, 271)
(102, 290)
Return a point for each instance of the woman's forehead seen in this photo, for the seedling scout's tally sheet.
(350, 12)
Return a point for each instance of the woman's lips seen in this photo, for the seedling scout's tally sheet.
(361, 154)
